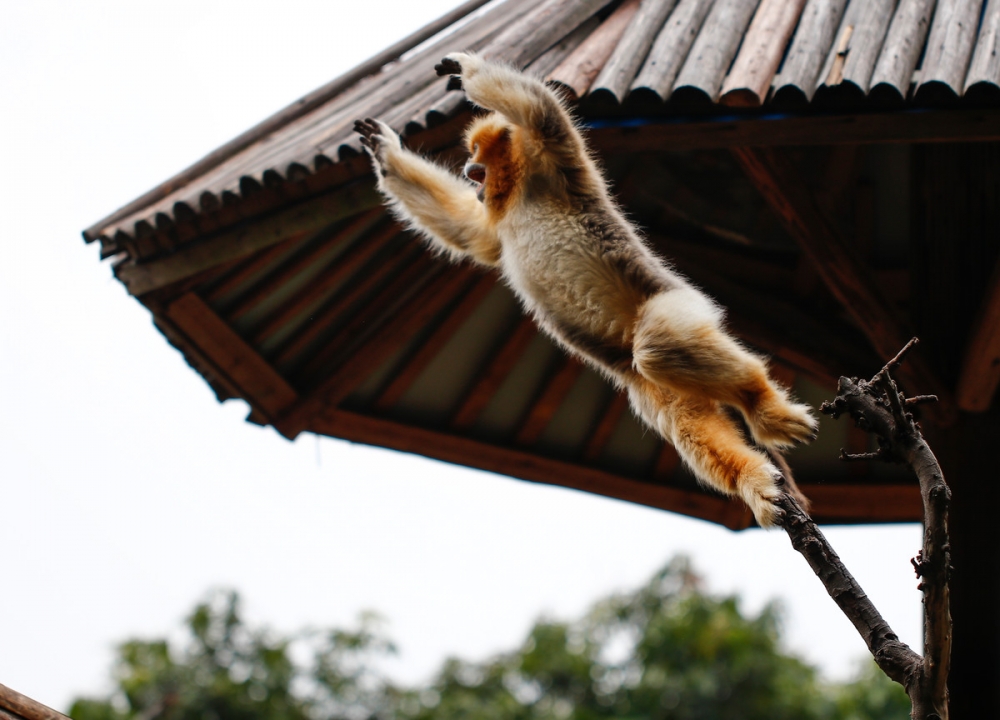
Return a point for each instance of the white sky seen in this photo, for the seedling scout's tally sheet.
(126, 491)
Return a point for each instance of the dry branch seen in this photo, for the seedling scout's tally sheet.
(879, 407)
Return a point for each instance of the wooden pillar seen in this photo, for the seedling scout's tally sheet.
(955, 244)
(967, 454)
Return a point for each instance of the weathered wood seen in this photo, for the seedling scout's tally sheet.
(328, 278)
(578, 70)
(247, 239)
(905, 41)
(763, 47)
(316, 364)
(984, 70)
(949, 48)
(847, 278)
(851, 69)
(314, 133)
(281, 119)
(493, 375)
(714, 49)
(667, 462)
(980, 373)
(281, 275)
(615, 78)
(905, 127)
(524, 40)
(320, 321)
(243, 270)
(258, 383)
(604, 428)
(548, 402)
(549, 60)
(387, 338)
(671, 48)
(429, 349)
(810, 47)
(24, 707)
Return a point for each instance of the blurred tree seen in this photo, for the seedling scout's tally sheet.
(667, 650)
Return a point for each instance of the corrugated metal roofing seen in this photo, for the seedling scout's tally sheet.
(636, 57)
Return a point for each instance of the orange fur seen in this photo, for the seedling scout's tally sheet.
(543, 214)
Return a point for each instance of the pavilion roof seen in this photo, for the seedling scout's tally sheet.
(273, 267)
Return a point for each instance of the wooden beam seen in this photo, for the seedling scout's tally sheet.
(278, 276)
(831, 503)
(495, 373)
(245, 269)
(980, 373)
(248, 237)
(846, 277)
(545, 406)
(257, 382)
(399, 293)
(387, 338)
(321, 320)
(430, 348)
(605, 428)
(331, 275)
(24, 707)
(912, 126)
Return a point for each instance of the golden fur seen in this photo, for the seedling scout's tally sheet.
(540, 211)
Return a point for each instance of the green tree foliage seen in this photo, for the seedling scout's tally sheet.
(667, 650)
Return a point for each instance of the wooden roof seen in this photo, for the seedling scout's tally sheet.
(15, 706)
(273, 267)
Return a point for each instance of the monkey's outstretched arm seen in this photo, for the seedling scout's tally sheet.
(523, 100)
(429, 198)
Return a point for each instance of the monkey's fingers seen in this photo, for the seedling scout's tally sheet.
(448, 66)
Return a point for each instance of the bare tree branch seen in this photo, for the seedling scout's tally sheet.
(880, 408)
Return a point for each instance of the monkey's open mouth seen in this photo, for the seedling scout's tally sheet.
(477, 174)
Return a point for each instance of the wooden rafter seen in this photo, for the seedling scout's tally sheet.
(329, 277)
(980, 373)
(846, 277)
(257, 382)
(430, 348)
(280, 275)
(493, 375)
(319, 322)
(379, 309)
(605, 427)
(548, 401)
(243, 270)
(388, 337)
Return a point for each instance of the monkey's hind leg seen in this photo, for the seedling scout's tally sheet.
(680, 344)
(710, 443)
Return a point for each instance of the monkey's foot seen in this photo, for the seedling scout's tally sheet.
(779, 423)
(760, 489)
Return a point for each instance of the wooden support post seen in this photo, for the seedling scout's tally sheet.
(980, 374)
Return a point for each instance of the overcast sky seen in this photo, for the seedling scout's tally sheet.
(127, 492)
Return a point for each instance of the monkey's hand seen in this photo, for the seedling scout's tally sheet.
(458, 65)
(380, 141)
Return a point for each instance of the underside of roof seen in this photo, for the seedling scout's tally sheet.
(272, 265)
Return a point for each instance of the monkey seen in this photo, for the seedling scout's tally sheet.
(534, 205)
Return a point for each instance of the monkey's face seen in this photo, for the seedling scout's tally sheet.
(491, 158)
